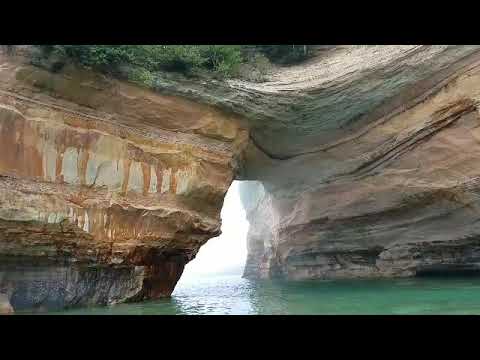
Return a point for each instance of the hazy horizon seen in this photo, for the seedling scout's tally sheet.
(228, 251)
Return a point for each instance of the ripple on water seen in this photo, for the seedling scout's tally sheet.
(231, 295)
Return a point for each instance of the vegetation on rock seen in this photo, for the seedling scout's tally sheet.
(144, 60)
(284, 54)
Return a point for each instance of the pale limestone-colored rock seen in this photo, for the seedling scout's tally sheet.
(167, 174)
(5, 306)
(364, 161)
(396, 196)
(135, 179)
(70, 166)
(153, 181)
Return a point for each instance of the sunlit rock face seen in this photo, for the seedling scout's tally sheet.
(106, 190)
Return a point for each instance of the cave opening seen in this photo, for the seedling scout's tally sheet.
(225, 254)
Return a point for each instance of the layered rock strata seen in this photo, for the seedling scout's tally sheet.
(360, 162)
(106, 190)
(392, 192)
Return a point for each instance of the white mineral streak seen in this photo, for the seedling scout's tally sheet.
(108, 173)
(135, 181)
(153, 180)
(70, 166)
(104, 166)
(183, 179)
(92, 166)
(80, 221)
(86, 222)
(166, 180)
(52, 218)
(49, 162)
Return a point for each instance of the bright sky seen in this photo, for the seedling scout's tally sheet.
(229, 250)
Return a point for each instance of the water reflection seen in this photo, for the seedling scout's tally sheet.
(228, 295)
(225, 295)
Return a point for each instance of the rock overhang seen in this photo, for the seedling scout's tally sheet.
(334, 144)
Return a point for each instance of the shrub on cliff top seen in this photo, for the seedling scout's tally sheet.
(221, 59)
(145, 60)
(284, 54)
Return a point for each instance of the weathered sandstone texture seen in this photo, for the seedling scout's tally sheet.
(106, 190)
(361, 162)
(5, 306)
(378, 176)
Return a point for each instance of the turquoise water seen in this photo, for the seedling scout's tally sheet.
(230, 294)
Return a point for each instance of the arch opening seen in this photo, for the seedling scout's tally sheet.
(225, 254)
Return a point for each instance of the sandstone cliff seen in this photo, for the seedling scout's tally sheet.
(106, 190)
(378, 175)
(361, 162)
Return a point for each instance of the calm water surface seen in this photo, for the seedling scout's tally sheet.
(230, 294)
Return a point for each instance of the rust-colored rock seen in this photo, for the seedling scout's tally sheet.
(104, 181)
(361, 162)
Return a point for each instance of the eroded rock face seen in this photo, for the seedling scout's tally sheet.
(361, 162)
(106, 190)
(5, 306)
(389, 195)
